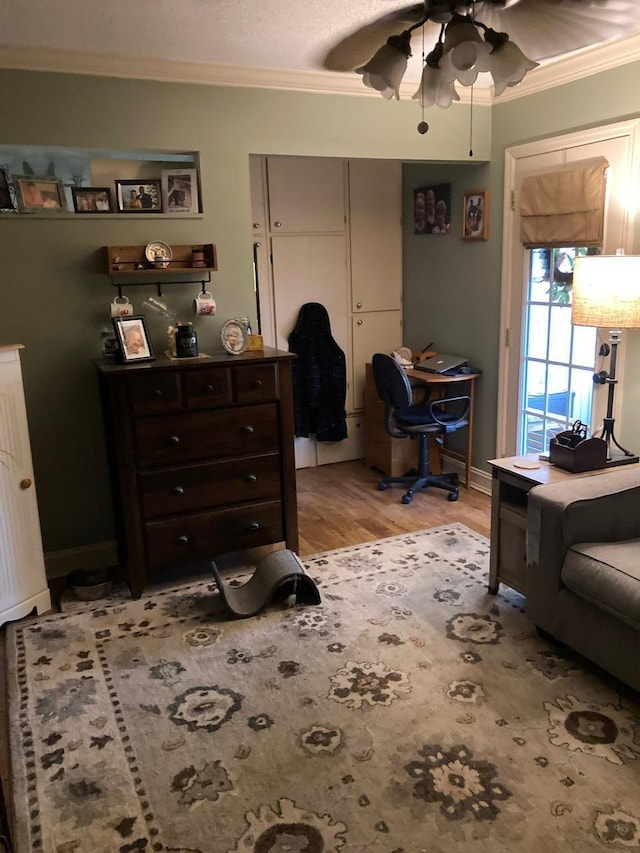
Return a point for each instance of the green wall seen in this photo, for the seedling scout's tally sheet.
(54, 295)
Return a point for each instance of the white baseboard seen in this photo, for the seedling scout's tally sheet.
(100, 554)
(480, 480)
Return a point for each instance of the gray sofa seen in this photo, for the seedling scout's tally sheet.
(583, 567)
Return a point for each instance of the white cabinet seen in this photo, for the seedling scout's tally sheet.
(306, 194)
(23, 581)
(375, 205)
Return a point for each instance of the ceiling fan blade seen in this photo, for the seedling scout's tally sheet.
(358, 47)
(546, 28)
(541, 28)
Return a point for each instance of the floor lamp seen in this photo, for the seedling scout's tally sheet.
(606, 293)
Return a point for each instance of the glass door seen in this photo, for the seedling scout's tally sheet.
(556, 372)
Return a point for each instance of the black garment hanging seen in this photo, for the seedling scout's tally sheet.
(319, 376)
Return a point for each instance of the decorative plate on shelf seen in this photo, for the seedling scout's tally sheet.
(158, 253)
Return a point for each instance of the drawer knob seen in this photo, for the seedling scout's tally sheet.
(184, 539)
(178, 490)
(174, 439)
(209, 388)
(247, 429)
(251, 478)
(157, 393)
(26, 483)
(258, 383)
(253, 526)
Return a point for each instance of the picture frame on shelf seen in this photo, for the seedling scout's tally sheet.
(475, 215)
(180, 191)
(233, 335)
(39, 194)
(133, 338)
(139, 196)
(8, 203)
(91, 199)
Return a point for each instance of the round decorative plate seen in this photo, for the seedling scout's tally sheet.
(158, 252)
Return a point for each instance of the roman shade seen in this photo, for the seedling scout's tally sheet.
(564, 207)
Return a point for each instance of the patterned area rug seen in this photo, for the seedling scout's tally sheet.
(410, 711)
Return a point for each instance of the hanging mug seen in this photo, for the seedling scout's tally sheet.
(204, 304)
(121, 307)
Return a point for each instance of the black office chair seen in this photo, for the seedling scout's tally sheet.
(403, 419)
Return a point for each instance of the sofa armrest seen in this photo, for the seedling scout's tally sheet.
(601, 508)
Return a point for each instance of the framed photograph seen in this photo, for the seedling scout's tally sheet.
(8, 203)
(133, 338)
(91, 199)
(180, 191)
(233, 335)
(39, 195)
(141, 196)
(475, 215)
(432, 209)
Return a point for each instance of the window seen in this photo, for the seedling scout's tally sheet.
(557, 359)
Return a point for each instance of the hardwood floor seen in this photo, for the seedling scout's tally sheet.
(339, 505)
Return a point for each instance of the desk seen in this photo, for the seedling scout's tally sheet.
(509, 495)
(374, 425)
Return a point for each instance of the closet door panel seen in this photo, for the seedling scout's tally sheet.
(379, 331)
(375, 202)
(306, 194)
(311, 269)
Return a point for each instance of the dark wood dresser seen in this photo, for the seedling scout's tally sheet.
(201, 458)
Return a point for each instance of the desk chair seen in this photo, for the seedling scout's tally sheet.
(406, 420)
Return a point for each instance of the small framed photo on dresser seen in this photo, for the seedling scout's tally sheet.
(133, 338)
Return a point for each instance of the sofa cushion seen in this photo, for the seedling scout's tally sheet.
(608, 575)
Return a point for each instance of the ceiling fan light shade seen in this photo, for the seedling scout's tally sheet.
(466, 53)
(509, 66)
(385, 70)
(433, 90)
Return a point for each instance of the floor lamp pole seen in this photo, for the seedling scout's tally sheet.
(607, 433)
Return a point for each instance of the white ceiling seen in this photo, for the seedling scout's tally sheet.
(279, 43)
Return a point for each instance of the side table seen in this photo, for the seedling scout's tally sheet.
(512, 479)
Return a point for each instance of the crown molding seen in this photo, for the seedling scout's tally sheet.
(553, 73)
(576, 66)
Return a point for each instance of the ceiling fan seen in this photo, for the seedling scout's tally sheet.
(541, 28)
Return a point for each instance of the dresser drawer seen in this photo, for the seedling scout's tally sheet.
(254, 384)
(210, 484)
(206, 535)
(153, 393)
(218, 434)
(204, 389)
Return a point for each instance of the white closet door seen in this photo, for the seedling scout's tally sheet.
(23, 583)
(375, 203)
(311, 269)
(306, 194)
(378, 331)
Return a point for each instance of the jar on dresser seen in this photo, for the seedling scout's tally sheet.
(201, 458)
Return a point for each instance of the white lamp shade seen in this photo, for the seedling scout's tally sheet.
(606, 291)
(385, 70)
(508, 65)
(434, 90)
(465, 53)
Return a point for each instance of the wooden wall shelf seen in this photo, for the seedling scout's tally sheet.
(131, 260)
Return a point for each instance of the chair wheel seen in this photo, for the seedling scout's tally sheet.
(406, 499)
(452, 496)
(382, 486)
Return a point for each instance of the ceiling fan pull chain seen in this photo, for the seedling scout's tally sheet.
(471, 125)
